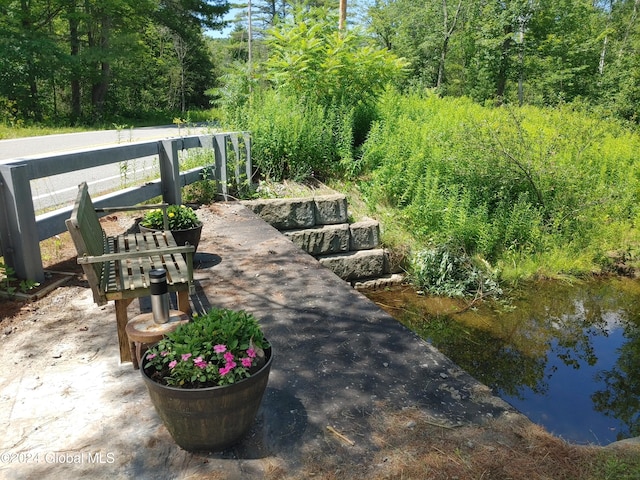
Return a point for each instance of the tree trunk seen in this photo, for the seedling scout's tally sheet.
(448, 32)
(181, 48)
(343, 15)
(100, 87)
(32, 103)
(503, 70)
(74, 42)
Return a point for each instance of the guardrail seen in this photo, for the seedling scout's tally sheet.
(21, 230)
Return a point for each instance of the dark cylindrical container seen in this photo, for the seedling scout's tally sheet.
(209, 419)
(159, 295)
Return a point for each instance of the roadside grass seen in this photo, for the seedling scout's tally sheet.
(9, 131)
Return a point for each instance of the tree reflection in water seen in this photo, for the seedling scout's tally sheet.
(526, 351)
(620, 398)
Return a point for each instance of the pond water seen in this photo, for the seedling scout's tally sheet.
(566, 356)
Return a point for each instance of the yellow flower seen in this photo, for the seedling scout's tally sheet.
(171, 214)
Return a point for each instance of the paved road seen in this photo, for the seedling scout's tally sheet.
(31, 146)
(61, 189)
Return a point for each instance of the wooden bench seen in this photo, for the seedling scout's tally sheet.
(117, 268)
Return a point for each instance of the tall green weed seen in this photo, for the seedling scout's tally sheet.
(292, 139)
(504, 183)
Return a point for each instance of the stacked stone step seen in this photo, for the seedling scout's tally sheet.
(319, 226)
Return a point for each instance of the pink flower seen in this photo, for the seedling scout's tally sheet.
(246, 362)
(224, 370)
(173, 363)
(251, 353)
(151, 356)
(186, 356)
(230, 365)
(220, 348)
(228, 357)
(164, 353)
(200, 363)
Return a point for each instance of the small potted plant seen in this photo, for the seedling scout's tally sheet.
(182, 221)
(207, 378)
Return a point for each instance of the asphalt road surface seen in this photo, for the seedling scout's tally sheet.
(61, 189)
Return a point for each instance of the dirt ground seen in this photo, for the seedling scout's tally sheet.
(410, 445)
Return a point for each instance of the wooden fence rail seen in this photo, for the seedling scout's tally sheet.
(21, 230)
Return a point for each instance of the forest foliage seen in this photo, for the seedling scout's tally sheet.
(71, 61)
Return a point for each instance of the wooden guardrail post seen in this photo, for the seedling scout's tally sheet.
(246, 136)
(220, 151)
(236, 150)
(170, 171)
(18, 230)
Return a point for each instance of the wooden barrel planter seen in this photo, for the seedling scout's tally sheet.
(209, 419)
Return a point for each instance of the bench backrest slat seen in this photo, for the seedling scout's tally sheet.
(89, 238)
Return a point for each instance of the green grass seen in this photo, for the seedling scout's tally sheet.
(8, 132)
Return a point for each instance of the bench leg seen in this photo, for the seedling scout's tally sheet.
(183, 302)
(121, 321)
(133, 348)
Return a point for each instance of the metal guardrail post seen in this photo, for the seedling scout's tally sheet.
(18, 230)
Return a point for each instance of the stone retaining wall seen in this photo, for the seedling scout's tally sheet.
(320, 226)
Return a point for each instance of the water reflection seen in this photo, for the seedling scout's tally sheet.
(620, 397)
(567, 356)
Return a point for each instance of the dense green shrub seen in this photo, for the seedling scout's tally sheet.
(313, 60)
(447, 271)
(289, 139)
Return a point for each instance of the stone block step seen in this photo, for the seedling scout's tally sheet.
(321, 240)
(327, 239)
(364, 235)
(296, 213)
(356, 265)
(319, 225)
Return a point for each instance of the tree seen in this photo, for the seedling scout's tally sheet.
(311, 58)
(565, 42)
(620, 63)
(449, 22)
(88, 59)
(28, 55)
(493, 50)
(410, 28)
